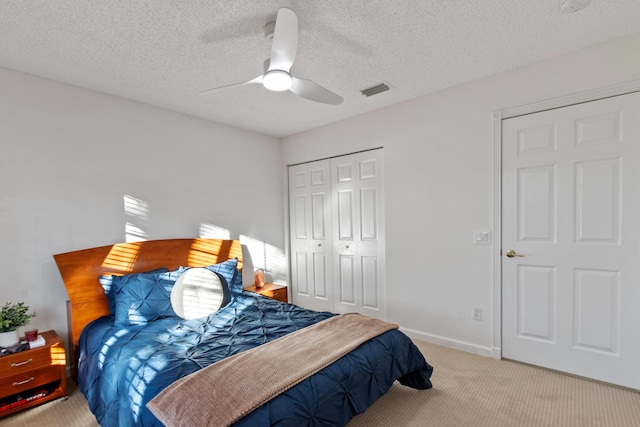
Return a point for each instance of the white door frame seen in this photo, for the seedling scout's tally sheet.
(498, 116)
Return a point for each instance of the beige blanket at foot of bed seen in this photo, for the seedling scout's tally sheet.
(226, 391)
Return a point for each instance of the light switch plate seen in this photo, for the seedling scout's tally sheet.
(482, 237)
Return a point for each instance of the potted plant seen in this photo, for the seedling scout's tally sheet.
(12, 317)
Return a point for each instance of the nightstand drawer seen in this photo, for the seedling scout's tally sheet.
(271, 290)
(26, 380)
(279, 294)
(24, 361)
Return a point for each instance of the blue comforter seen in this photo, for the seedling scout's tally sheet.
(122, 368)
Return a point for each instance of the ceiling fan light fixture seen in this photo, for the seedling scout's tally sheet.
(277, 80)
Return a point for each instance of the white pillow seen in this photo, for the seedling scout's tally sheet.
(198, 292)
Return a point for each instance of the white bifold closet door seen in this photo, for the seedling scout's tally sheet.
(337, 234)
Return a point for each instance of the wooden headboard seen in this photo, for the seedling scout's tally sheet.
(80, 271)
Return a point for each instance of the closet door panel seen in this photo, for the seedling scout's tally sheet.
(320, 273)
(337, 234)
(370, 234)
(301, 277)
(347, 280)
(310, 235)
(356, 190)
(368, 214)
(345, 215)
(370, 283)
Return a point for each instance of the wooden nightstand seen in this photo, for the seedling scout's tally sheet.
(271, 290)
(32, 377)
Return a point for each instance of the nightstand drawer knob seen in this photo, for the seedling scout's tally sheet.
(17, 383)
(15, 365)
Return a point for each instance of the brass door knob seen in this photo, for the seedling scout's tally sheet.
(511, 253)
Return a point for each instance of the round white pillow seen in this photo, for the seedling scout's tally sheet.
(198, 292)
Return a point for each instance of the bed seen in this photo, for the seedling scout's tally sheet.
(151, 367)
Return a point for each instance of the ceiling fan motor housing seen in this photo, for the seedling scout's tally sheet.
(277, 80)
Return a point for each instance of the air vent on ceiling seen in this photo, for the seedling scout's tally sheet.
(572, 6)
(374, 90)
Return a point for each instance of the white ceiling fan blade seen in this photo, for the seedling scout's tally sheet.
(285, 40)
(314, 92)
(257, 80)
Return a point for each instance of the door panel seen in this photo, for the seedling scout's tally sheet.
(537, 204)
(536, 302)
(597, 316)
(321, 274)
(337, 229)
(345, 215)
(368, 220)
(301, 274)
(347, 281)
(571, 185)
(299, 203)
(598, 214)
(357, 188)
(370, 283)
(310, 235)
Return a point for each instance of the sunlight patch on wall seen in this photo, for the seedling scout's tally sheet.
(136, 207)
(134, 233)
(137, 212)
(266, 257)
(210, 231)
(276, 263)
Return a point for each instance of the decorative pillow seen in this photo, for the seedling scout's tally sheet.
(229, 270)
(144, 298)
(199, 292)
(107, 281)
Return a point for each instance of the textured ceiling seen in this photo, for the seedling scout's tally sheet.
(163, 52)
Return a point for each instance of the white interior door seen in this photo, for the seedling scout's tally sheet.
(358, 229)
(311, 235)
(570, 211)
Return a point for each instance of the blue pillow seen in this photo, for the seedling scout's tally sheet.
(229, 270)
(107, 281)
(143, 298)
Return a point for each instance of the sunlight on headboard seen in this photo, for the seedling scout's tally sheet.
(81, 269)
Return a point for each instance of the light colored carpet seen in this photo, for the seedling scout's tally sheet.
(469, 390)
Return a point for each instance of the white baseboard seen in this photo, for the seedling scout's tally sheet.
(452, 343)
(496, 352)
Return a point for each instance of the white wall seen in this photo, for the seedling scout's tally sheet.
(68, 158)
(438, 153)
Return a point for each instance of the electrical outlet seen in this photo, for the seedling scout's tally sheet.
(477, 313)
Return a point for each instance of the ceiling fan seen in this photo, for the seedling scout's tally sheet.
(277, 70)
